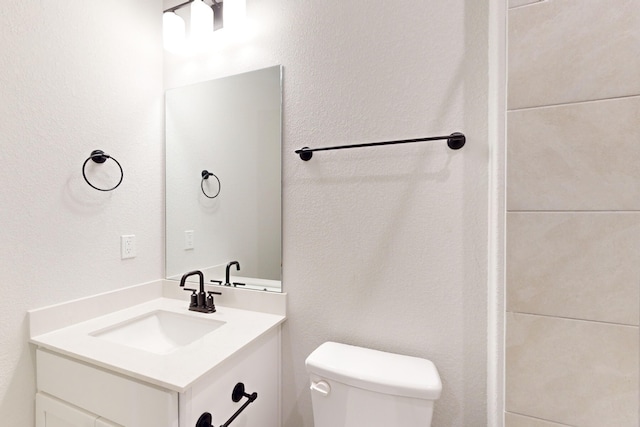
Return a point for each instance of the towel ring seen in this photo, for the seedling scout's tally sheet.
(205, 175)
(100, 156)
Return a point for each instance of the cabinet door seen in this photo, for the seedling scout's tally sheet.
(116, 398)
(258, 367)
(51, 412)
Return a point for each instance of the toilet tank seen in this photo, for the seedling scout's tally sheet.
(356, 387)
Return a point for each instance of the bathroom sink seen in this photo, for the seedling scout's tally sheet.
(159, 332)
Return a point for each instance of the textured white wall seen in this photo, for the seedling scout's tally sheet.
(383, 247)
(74, 76)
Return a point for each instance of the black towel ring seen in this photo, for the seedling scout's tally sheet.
(100, 156)
(205, 175)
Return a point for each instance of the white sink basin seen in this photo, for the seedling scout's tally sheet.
(159, 332)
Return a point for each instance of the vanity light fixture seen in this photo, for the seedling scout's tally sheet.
(173, 31)
(205, 16)
(218, 21)
(201, 22)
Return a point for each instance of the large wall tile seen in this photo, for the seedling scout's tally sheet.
(575, 157)
(515, 420)
(577, 265)
(572, 372)
(573, 50)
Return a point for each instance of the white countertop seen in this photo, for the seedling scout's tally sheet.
(177, 370)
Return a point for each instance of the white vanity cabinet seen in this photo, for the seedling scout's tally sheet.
(138, 357)
(73, 393)
(51, 412)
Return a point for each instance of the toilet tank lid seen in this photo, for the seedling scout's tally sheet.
(374, 370)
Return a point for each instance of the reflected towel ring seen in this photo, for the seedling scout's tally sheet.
(205, 175)
(100, 156)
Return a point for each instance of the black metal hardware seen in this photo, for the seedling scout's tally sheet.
(100, 157)
(174, 8)
(210, 302)
(226, 276)
(202, 303)
(218, 15)
(455, 141)
(236, 395)
(216, 6)
(194, 297)
(235, 284)
(204, 420)
(205, 176)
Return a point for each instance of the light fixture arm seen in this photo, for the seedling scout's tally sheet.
(216, 6)
(218, 14)
(174, 8)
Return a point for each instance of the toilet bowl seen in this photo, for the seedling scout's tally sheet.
(357, 387)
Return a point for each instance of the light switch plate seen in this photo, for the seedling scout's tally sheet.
(188, 240)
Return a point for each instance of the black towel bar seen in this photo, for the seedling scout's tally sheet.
(237, 395)
(455, 141)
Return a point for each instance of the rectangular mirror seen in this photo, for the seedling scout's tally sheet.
(231, 128)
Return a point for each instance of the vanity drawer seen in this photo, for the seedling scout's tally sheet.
(122, 400)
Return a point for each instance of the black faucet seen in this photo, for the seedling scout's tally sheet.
(200, 302)
(226, 276)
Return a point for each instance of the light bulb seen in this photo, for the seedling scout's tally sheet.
(173, 32)
(235, 12)
(201, 22)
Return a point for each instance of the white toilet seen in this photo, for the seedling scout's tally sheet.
(359, 387)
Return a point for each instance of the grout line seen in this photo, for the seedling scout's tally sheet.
(573, 318)
(537, 418)
(533, 3)
(574, 211)
(564, 104)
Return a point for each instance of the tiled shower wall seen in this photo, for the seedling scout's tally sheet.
(573, 220)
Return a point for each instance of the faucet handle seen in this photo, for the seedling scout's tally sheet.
(194, 297)
(210, 304)
(235, 284)
(219, 282)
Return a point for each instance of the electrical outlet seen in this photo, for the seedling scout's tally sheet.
(188, 240)
(128, 246)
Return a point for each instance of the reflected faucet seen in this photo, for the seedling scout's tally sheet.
(200, 302)
(226, 275)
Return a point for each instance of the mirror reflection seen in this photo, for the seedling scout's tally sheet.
(223, 180)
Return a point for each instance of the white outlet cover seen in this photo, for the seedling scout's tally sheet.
(127, 246)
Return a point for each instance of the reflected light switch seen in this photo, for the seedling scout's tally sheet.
(188, 240)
